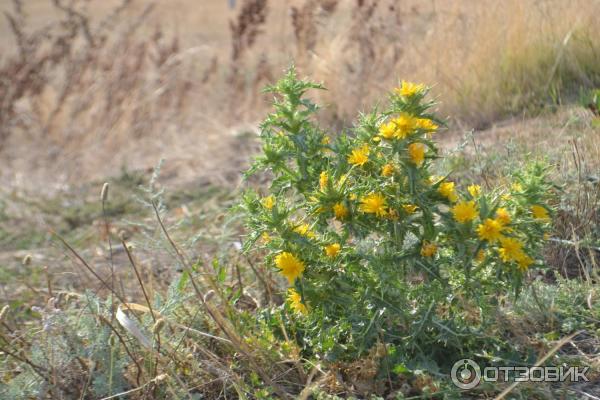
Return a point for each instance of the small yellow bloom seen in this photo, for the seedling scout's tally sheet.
(539, 212)
(291, 267)
(405, 124)
(428, 249)
(464, 211)
(480, 256)
(325, 140)
(447, 190)
(268, 202)
(332, 250)
(503, 216)
(490, 230)
(426, 124)
(323, 178)
(352, 196)
(295, 301)
(359, 156)
(374, 203)
(305, 231)
(416, 151)
(474, 190)
(410, 208)
(387, 170)
(409, 89)
(340, 211)
(511, 250)
(517, 187)
(266, 238)
(524, 261)
(387, 130)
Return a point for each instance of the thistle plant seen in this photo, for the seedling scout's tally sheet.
(374, 247)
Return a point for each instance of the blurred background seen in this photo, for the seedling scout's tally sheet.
(92, 88)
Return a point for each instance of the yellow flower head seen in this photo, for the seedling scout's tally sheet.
(490, 230)
(474, 190)
(511, 250)
(374, 203)
(325, 140)
(517, 187)
(332, 250)
(480, 256)
(268, 202)
(291, 267)
(387, 170)
(416, 151)
(266, 238)
(304, 230)
(410, 208)
(464, 211)
(405, 124)
(428, 249)
(323, 178)
(539, 212)
(340, 211)
(503, 216)
(295, 301)
(426, 124)
(409, 89)
(359, 156)
(524, 261)
(446, 189)
(387, 130)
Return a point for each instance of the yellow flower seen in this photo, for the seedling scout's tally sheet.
(332, 250)
(405, 123)
(416, 151)
(304, 230)
(503, 216)
(295, 301)
(290, 266)
(325, 140)
(323, 178)
(474, 190)
(490, 230)
(524, 261)
(373, 204)
(359, 156)
(409, 89)
(511, 250)
(340, 211)
(410, 208)
(266, 238)
(464, 211)
(352, 196)
(268, 202)
(426, 124)
(446, 189)
(387, 170)
(517, 187)
(539, 212)
(480, 256)
(428, 249)
(387, 130)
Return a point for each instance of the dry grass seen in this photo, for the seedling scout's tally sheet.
(187, 76)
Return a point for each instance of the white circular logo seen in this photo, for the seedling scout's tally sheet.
(466, 374)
